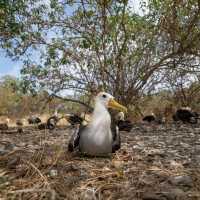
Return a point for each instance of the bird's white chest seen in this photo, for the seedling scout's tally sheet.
(97, 138)
(100, 136)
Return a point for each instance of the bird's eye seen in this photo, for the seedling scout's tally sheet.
(104, 96)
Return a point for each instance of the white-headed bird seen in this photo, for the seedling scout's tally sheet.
(99, 137)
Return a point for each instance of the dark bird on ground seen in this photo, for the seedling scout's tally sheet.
(149, 118)
(123, 125)
(99, 137)
(51, 122)
(42, 126)
(74, 119)
(3, 126)
(34, 120)
(19, 130)
(19, 122)
(186, 115)
(196, 115)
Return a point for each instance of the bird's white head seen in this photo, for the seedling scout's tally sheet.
(108, 101)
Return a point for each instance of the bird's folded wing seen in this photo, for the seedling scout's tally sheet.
(74, 141)
(116, 138)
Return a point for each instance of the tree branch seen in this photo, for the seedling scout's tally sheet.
(72, 100)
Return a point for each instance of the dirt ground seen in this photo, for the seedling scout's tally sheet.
(156, 162)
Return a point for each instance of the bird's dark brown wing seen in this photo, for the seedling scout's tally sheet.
(116, 137)
(124, 125)
(74, 140)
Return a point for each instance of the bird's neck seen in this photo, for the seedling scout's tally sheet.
(101, 116)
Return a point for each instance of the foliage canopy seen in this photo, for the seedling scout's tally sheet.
(81, 46)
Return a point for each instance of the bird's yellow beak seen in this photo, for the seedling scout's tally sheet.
(115, 105)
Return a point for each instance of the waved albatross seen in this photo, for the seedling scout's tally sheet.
(100, 137)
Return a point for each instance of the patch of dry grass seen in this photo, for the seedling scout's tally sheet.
(41, 168)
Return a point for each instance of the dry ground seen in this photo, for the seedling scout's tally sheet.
(157, 162)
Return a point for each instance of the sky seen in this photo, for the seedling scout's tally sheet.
(10, 67)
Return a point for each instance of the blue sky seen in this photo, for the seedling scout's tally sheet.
(9, 66)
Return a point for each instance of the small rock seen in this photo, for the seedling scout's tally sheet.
(137, 147)
(172, 194)
(22, 144)
(53, 173)
(155, 152)
(151, 196)
(177, 192)
(191, 134)
(185, 145)
(181, 180)
(71, 167)
(175, 164)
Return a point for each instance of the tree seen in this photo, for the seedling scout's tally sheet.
(9, 94)
(101, 44)
(18, 29)
(86, 45)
